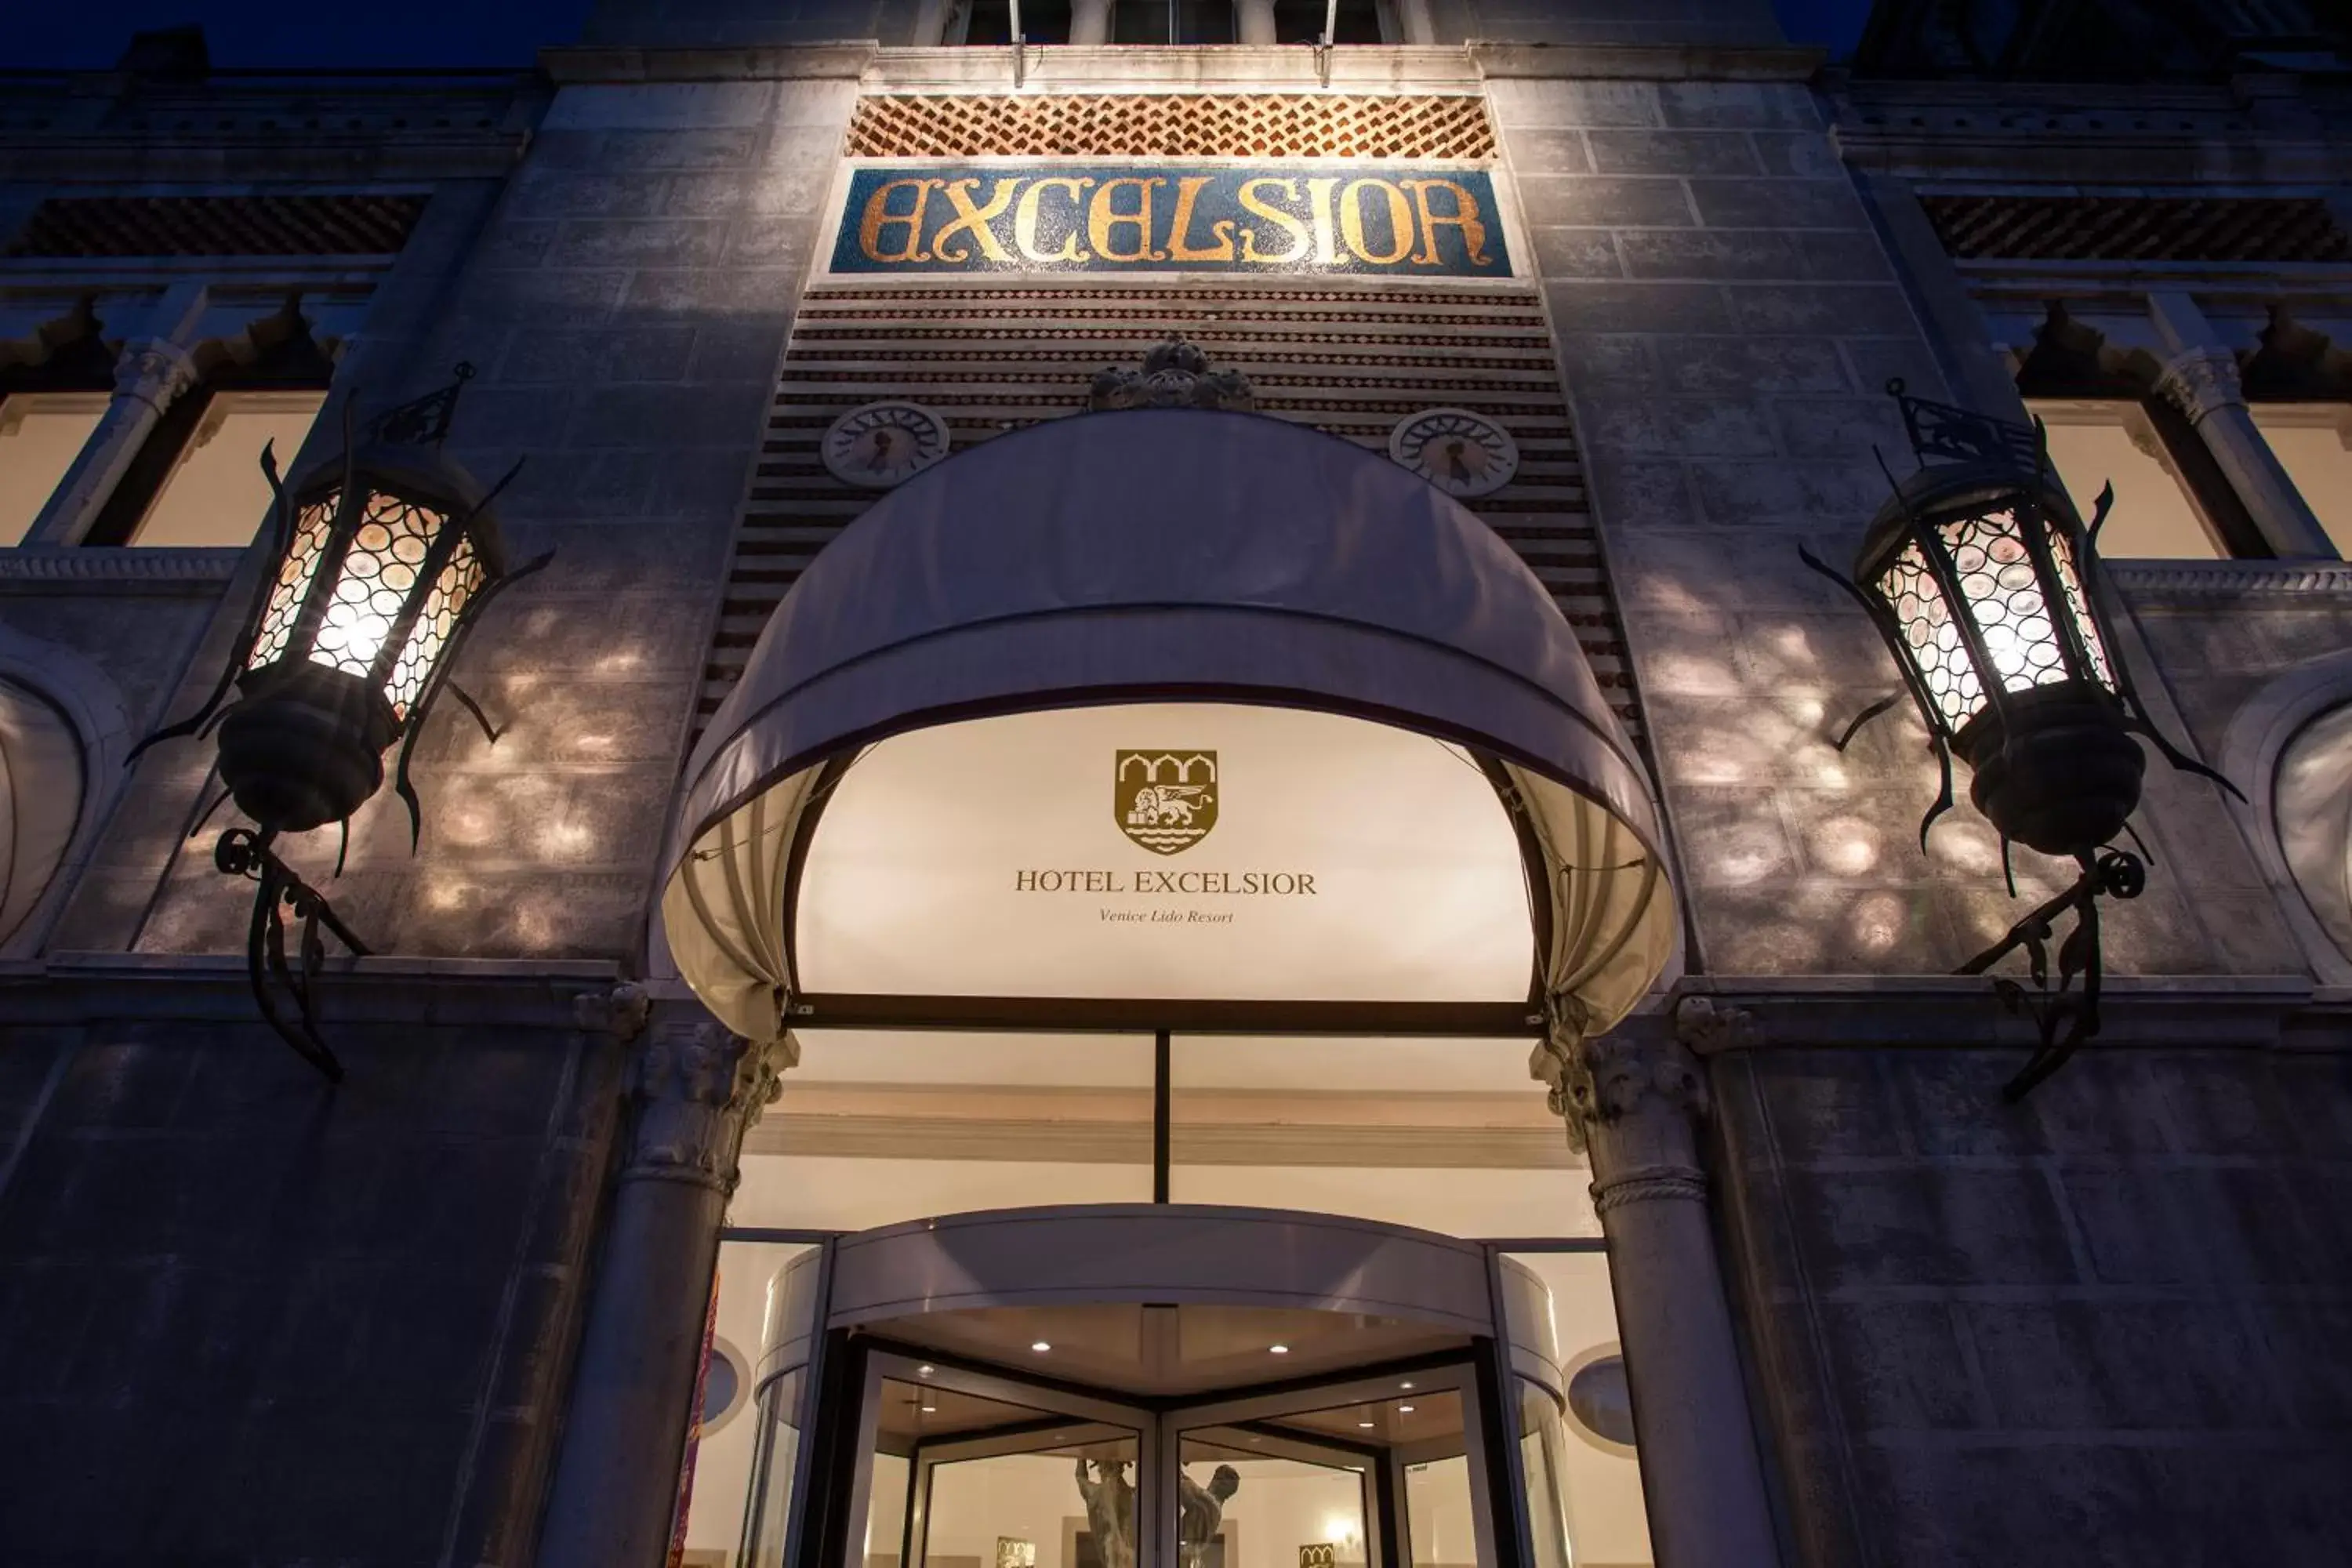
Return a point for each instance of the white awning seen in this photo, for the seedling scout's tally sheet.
(1175, 556)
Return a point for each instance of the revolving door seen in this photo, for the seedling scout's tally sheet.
(1162, 1386)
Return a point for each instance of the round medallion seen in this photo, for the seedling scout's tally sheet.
(877, 445)
(1462, 453)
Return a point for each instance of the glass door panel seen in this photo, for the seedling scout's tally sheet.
(970, 1468)
(1256, 1501)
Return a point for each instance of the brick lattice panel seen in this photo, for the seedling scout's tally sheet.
(219, 225)
(1172, 125)
(2137, 228)
(992, 359)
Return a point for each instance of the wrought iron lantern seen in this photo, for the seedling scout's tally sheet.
(385, 557)
(1983, 581)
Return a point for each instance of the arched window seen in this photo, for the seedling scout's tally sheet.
(2311, 796)
(41, 776)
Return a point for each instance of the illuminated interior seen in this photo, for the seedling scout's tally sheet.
(216, 493)
(41, 433)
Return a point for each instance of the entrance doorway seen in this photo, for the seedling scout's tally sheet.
(970, 1468)
(1158, 1386)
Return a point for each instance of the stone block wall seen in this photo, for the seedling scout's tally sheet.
(625, 302)
(249, 1318)
(2107, 1326)
(1727, 318)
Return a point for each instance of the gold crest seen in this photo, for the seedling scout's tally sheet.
(1165, 801)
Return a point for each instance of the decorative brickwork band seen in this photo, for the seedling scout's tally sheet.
(1262, 126)
(697, 1087)
(1656, 1185)
(2201, 380)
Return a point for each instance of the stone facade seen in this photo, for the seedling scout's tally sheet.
(244, 1319)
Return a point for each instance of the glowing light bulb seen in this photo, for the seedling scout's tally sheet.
(1041, 1347)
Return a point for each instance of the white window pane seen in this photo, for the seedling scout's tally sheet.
(2091, 447)
(2309, 440)
(41, 435)
(216, 494)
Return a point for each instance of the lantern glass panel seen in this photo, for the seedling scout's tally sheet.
(379, 573)
(1932, 637)
(2078, 606)
(461, 577)
(312, 525)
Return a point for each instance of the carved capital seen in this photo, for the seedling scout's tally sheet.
(2199, 381)
(1593, 1083)
(696, 1089)
(620, 1012)
(156, 372)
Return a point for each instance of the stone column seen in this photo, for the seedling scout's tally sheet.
(2203, 383)
(695, 1089)
(1254, 23)
(2201, 379)
(149, 378)
(1633, 1105)
(1090, 21)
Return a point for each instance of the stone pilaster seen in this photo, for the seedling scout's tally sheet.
(151, 374)
(1633, 1105)
(695, 1089)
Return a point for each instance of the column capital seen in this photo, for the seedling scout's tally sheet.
(155, 371)
(697, 1087)
(2199, 381)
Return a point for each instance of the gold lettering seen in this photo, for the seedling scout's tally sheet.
(878, 216)
(1351, 222)
(1102, 217)
(974, 221)
(1025, 217)
(1464, 218)
(1188, 189)
(1318, 202)
(1025, 881)
(1282, 220)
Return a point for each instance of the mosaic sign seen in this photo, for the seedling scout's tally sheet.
(1379, 220)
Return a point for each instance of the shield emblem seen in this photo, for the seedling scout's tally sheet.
(1165, 801)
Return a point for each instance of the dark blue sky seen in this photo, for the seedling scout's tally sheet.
(451, 32)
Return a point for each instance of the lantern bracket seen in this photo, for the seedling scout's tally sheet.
(279, 892)
(1955, 434)
(424, 421)
(2112, 873)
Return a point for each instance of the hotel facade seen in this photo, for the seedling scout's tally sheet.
(1159, 854)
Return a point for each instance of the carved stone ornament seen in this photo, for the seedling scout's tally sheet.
(154, 372)
(620, 1012)
(698, 1087)
(2201, 380)
(1611, 1076)
(1176, 374)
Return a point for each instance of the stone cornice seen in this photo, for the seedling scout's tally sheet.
(1899, 1012)
(71, 988)
(1396, 67)
(79, 568)
(2149, 582)
(1640, 62)
(590, 64)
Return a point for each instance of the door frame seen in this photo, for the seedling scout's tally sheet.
(1158, 1423)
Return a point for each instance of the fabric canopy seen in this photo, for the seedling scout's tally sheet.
(1172, 554)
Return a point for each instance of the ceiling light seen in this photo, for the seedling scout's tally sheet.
(1404, 1409)
(1277, 1350)
(930, 1410)
(1041, 1347)
(1404, 1385)
(925, 1371)
(1366, 1423)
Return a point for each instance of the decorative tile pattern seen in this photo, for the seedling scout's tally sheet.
(1172, 125)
